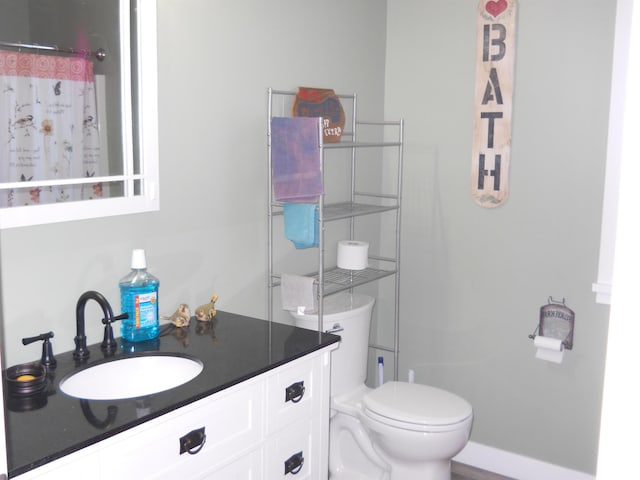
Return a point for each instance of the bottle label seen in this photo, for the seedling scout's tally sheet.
(146, 307)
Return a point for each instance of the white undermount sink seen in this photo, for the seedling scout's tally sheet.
(131, 377)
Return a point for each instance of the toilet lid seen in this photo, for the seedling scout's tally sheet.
(417, 404)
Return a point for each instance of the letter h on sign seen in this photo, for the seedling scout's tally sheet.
(495, 173)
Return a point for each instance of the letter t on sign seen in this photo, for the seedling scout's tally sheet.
(495, 52)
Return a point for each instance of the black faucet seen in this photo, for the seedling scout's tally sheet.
(109, 344)
(112, 411)
(47, 359)
(82, 352)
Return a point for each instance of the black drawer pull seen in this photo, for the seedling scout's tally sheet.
(294, 463)
(294, 392)
(193, 441)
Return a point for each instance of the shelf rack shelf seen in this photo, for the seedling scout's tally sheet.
(330, 279)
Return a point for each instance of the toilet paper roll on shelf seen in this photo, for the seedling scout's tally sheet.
(353, 255)
(550, 349)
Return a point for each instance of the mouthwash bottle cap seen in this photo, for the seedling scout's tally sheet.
(138, 260)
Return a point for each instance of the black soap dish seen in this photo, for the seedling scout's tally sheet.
(26, 379)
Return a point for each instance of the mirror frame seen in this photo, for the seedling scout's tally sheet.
(147, 199)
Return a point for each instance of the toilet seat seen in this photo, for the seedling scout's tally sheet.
(412, 406)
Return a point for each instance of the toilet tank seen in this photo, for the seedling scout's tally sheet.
(352, 313)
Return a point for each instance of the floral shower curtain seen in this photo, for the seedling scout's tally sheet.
(49, 127)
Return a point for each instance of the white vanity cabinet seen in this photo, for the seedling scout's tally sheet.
(271, 426)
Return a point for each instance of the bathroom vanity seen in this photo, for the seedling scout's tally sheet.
(258, 410)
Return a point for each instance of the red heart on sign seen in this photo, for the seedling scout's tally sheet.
(496, 8)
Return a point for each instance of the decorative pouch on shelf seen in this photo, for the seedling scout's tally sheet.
(321, 102)
(301, 224)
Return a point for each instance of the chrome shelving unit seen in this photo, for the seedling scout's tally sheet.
(331, 279)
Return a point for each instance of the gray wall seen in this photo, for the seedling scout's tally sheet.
(473, 279)
(216, 61)
(13, 22)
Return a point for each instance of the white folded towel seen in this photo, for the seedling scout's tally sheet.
(299, 294)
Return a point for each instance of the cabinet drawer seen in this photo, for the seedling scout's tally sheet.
(233, 425)
(75, 465)
(293, 394)
(290, 454)
(247, 467)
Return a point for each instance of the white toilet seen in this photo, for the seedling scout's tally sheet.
(399, 431)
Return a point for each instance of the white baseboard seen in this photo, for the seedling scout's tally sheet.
(514, 465)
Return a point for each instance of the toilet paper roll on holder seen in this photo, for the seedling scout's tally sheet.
(556, 321)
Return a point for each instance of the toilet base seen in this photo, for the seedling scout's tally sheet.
(351, 475)
(351, 454)
(422, 471)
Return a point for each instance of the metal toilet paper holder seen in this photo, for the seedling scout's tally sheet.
(556, 321)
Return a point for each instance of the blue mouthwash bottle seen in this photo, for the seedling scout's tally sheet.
(139, 298)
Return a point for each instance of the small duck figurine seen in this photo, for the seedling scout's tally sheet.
(181, 316)
(206, 312)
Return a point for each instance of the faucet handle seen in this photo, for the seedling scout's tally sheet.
(47, 359)
(109, 342)
(122, 316)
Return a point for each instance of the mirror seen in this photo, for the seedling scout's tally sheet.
(77, 128)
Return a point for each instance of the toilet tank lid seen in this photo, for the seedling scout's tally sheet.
(340, 304)
(418, 404)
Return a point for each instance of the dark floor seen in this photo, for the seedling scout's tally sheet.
(460, 471)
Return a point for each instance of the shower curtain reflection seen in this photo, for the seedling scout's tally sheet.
(49, 128)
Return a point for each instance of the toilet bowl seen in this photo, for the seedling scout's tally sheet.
(416, 429)
(398, 431)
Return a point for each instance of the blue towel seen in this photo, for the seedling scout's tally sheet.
(301, 224)
(295, 159)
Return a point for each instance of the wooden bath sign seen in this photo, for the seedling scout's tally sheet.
(495, 52)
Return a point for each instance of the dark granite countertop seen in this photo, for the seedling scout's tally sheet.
(233, 348)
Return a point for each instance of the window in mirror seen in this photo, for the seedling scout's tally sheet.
(78, 109)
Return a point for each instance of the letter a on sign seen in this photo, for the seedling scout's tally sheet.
(495, 51)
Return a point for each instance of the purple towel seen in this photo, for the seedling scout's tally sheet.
(295, 159)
